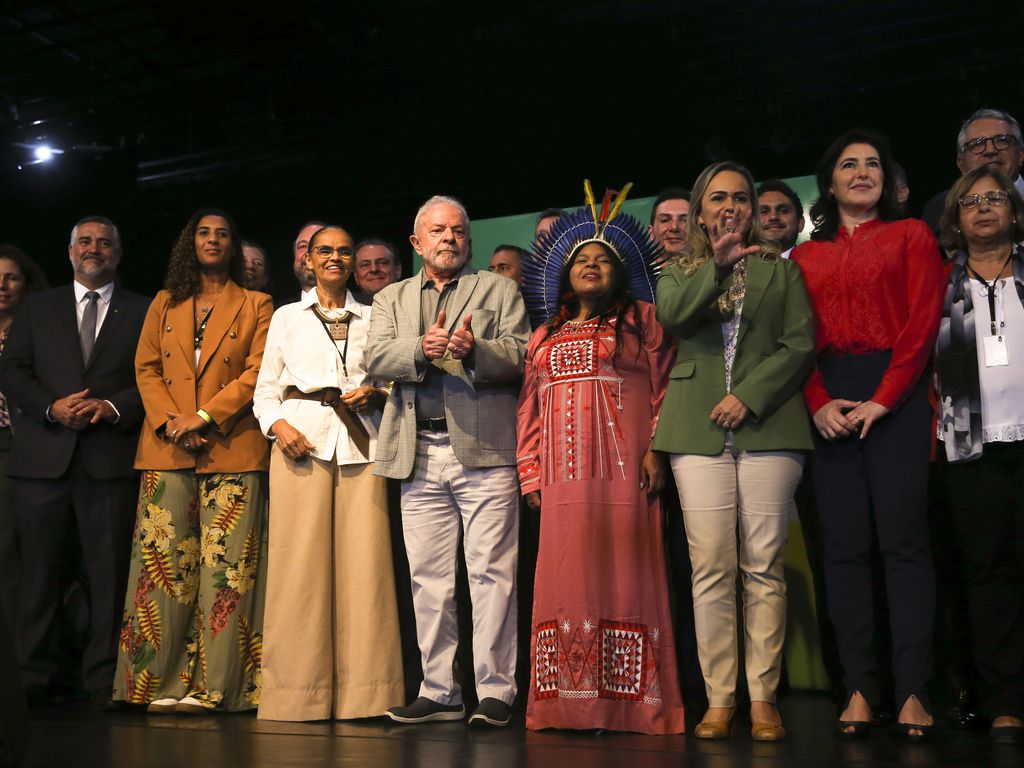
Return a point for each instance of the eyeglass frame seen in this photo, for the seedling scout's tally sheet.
(982, 141)
(345, 251)
(999, 197)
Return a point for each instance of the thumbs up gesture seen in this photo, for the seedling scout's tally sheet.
(435, 340)
(461, 343)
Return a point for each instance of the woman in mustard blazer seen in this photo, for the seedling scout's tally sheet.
(191, 634)
(734, 424)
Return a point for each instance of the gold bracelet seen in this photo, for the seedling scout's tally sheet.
(204, 416)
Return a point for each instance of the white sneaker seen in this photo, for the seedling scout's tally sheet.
(192, 706)
(162, 706)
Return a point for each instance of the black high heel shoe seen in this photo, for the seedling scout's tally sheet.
(907, 730)
(854, 729)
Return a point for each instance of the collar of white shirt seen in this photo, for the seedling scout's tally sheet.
(105, 292)
(351, 305)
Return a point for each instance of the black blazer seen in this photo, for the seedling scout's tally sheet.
(42, 361)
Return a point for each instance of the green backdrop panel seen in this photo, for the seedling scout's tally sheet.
(488, 234)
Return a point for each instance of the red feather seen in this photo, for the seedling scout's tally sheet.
(606, 204)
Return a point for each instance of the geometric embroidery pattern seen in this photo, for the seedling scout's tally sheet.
(546, 660)
(623, 662)
(573, 357)
(617, 661)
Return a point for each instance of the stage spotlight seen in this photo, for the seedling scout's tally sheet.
(43, 153)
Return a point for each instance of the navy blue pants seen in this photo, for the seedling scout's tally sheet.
(879, 483)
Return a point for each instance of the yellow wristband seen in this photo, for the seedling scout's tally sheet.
(204, 416)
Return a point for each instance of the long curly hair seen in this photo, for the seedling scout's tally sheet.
(182, 279)
(616, 304)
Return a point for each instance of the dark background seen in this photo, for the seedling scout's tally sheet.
(354, 112)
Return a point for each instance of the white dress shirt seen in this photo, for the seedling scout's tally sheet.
(1002, 407)
(300, 354)
(102, 304)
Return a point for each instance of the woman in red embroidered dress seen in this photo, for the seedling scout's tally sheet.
(876, 287)
(603, 650)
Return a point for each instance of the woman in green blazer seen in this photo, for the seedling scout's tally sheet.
(735, 425)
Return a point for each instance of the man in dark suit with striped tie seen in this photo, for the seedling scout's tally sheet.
(68, 371)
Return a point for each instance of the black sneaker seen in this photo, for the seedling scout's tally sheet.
(491, 712)
(424, 710)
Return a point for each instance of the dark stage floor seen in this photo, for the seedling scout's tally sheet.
(83, 738)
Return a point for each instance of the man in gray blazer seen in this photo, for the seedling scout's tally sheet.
(453, 341)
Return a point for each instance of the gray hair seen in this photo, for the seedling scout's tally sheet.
(103, 221)
(987, 114)
(440, 200)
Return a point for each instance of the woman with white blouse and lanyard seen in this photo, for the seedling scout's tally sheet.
(980, 365)
(331, 644)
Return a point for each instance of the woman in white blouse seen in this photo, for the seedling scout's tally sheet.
(331, 644)
(980, 367)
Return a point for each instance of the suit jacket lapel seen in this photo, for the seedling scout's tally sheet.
(459, 300)
(223, 315)
(759, 274)
(109, 327)
(409, 306)
(182, 325)
(66, 315)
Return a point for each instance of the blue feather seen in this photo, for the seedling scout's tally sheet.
(626, 235)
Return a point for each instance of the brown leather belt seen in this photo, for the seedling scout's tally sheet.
(330, 397)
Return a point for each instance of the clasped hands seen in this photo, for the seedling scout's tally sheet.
(841, 418)
(78, 410)
(730, 412)
(437, 341)
(294, 444)
(185, 431)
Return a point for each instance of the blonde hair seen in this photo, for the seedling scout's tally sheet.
(698, 243)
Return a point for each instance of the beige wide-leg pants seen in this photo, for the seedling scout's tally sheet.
(331, 646)
(752, 491)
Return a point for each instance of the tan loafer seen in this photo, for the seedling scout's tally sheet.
(713, 729)
(767, 731)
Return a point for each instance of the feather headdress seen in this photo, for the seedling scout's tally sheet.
(624, 235)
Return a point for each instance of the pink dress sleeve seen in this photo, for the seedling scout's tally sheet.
(661, 355)
(528, 420)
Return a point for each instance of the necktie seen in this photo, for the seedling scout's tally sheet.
(87, 333)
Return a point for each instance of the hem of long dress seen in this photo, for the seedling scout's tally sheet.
(296, 704)
(245, 707)
(668, 721)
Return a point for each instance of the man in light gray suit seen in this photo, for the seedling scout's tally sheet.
(453, 341)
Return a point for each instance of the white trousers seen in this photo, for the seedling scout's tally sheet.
(442, 498)
(751, 491)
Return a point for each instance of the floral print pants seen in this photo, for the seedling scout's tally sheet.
(193, 615)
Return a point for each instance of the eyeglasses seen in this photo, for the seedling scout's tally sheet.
(999, 143)
(996, 197)
(344, 251)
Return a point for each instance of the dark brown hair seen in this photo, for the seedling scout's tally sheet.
(825, 210)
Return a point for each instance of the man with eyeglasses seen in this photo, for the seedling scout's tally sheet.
(988, 137)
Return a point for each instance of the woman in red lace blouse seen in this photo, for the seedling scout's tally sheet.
(876, 287)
